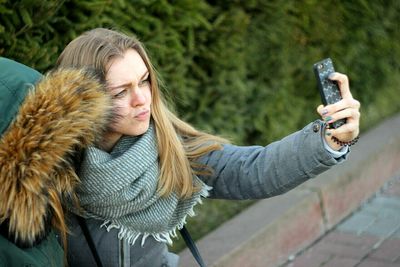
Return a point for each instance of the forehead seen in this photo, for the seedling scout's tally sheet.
(128, 68)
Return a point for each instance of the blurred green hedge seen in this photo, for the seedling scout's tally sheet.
(238, 68)
(242, 69)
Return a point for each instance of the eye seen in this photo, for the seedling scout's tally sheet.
(120, 94)
(144, 82)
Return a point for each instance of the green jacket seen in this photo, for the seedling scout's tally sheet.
(47, 253)
(44, 121)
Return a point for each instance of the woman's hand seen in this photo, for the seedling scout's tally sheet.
(347, 108)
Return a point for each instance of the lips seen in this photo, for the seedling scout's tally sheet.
(142, 114)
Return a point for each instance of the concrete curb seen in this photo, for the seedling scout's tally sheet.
(271, 230)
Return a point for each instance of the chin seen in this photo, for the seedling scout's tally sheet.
(139, 129)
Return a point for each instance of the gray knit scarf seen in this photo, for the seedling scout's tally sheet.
(120, 188)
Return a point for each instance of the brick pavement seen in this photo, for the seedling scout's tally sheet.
(369, 237)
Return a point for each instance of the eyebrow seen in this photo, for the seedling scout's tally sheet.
(129, 83)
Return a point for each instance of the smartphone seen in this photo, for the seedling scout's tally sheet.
(328, 89)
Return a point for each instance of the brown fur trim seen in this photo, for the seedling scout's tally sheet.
(67, 111)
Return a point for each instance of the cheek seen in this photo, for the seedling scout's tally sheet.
(120, 112)
(121, 108)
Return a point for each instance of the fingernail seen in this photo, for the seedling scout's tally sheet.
(327, 133)
(324, 111)
(328, 119)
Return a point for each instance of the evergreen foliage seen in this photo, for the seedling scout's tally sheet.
(238, 68)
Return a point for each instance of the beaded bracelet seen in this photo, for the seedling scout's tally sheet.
(341, 143)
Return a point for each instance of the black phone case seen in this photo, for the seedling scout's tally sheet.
(329, 90)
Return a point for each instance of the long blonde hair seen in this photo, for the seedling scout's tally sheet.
(179, 144)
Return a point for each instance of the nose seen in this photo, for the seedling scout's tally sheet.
(137, 97)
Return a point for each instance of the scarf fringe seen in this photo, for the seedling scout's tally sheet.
(164, 237)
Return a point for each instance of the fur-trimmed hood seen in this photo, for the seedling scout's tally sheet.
(65, 112)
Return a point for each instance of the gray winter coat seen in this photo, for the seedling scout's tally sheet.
(251, 172)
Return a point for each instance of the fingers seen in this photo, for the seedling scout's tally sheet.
(338, 106)
(351, 114)
(321, 110)
(347, 108)
(343, 82)
(350, 130)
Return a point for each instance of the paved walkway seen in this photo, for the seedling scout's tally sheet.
(370, 237)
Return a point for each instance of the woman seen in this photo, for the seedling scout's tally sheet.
(141, 181)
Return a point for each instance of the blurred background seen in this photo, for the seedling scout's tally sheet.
(241, 69)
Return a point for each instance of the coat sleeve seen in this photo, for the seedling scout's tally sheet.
(253, 172)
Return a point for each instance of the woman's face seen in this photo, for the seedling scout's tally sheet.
(128, 81)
